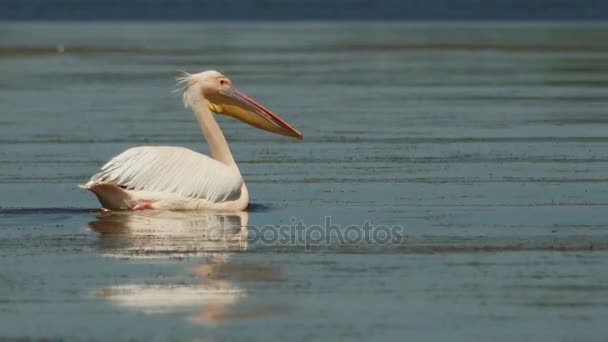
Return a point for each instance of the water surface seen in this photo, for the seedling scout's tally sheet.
(485, 143)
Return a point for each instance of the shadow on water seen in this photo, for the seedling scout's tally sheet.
(218, 291)
(48, 211)
(253, 207)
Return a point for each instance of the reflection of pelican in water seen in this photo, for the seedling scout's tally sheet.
(166, 234)
(170, 233)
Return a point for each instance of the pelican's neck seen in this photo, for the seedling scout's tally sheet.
(218, 146)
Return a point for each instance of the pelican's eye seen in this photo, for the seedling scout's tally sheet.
(222, 82)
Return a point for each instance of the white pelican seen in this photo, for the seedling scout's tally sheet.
(176, 178)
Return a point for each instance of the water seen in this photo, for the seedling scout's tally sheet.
(485, 144)
(303, 10)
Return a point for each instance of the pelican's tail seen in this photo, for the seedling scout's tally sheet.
(110, 196)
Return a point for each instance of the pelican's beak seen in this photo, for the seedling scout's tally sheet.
(240, 106)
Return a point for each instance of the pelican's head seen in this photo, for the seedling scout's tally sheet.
(214, 90)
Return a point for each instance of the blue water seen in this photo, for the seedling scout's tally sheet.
(483, 145)
(552, 10)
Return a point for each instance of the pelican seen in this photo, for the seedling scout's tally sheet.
(176, 178)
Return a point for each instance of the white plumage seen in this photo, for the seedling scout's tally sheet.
(174, 170)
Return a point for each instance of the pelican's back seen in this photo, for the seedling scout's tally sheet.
(174, 171)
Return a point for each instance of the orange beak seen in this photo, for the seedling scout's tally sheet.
(234, 103)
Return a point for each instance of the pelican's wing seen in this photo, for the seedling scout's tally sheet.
(175, 170)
